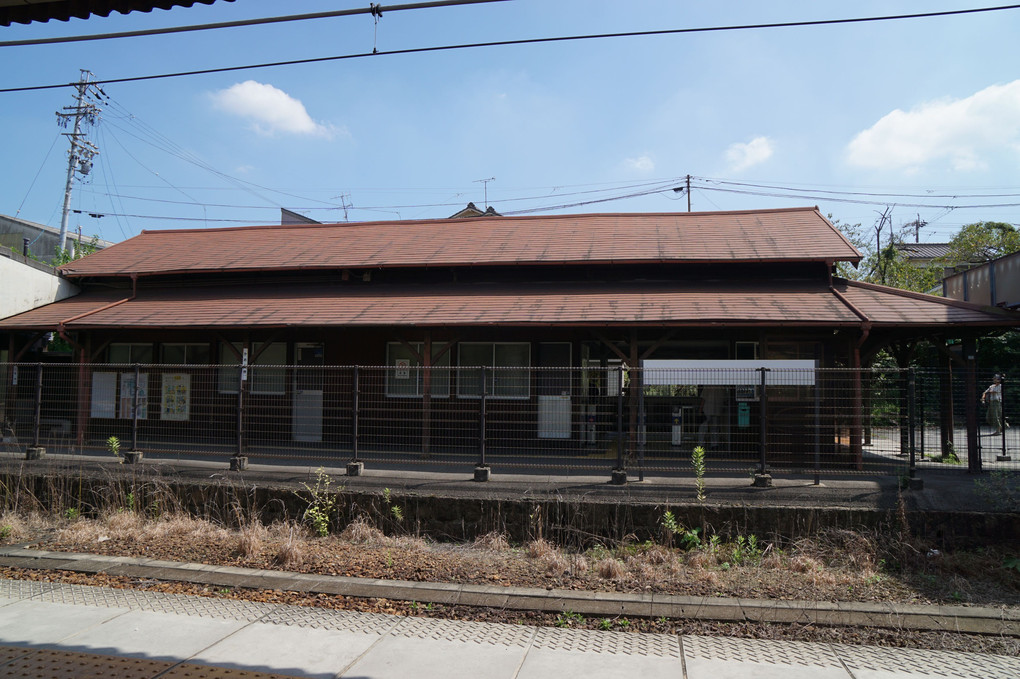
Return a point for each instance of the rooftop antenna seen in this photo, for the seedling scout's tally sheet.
(485, 184)
(79, 159)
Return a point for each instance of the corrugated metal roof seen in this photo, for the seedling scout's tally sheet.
(801, 234)
(808, 304)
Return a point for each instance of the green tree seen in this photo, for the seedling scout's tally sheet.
(982, 241)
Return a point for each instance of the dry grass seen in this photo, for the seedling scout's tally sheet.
(291, 553)
(251, 538)
(539, 549)
(361, 532)
(610, 569)
(493, 541)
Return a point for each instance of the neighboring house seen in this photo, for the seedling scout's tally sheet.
(28, 284)
(571, 295)
(994, 283)
(472, 211)
(923, 254)
(41, 240)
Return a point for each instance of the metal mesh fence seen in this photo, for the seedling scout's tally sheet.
(516, 419)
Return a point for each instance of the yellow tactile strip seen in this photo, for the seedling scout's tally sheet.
(27, 663)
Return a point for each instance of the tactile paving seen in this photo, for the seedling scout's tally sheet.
(617, 643)
(929, 663)
(47, 664)
(761, 651)
(343, 621)
(189, 671)
(496, 634)
(23, 589)
(160, 602)
(8, 653)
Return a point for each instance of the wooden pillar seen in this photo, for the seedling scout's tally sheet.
(635, 385)
(970, 380)
(856, 408)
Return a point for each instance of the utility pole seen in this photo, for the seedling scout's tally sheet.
(79, 158)
(688, 193)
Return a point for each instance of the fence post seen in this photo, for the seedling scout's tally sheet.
(620, 472)
(355, 467)
(914, 482)
(36, 451)
(134, 455)
(239, 462)
(482, 470)
(762, 478)
(970, 386)
(639, 384)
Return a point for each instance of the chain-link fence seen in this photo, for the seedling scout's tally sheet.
(514, 419)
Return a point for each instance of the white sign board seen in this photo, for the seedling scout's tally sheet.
(729, 373)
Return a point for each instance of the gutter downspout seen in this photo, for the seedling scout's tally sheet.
(857, 425)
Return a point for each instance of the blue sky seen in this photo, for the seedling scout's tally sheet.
(916, 109)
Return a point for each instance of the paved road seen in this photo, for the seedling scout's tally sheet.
(61, 630)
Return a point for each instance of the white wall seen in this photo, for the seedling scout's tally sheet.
(24, 286)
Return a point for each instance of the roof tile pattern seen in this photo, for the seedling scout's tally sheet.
(733, 304)
(801, 234)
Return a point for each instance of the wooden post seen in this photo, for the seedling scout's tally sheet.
(971, 407)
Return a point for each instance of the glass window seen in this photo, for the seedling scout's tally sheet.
(406, 377)
(130, 353)
(185, 354)
(262, 380)
(510, 376)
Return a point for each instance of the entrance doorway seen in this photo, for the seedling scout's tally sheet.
(307, 401)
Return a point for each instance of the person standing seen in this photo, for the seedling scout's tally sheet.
(993, 397)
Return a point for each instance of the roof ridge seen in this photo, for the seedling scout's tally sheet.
(488, 220)
(948, 301)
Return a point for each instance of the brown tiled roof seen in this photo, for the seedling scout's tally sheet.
(662, 304)
(801, 234)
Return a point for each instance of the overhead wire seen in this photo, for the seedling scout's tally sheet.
(376, 10)
(525, 41)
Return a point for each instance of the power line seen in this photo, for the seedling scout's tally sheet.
(525, 41)
(374, 9)
(864, 193)
(808, 196)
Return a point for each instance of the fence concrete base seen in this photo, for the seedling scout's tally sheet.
(35, 453)
(355, 468)
(133, 456)
(619, 477)
(238, 464)
(482, 473)
(762, 481)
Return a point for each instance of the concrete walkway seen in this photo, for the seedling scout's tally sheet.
(53, 629)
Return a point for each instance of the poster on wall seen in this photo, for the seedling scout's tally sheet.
(127, 396)
(403, 370)
(176, 400)
(104, 395)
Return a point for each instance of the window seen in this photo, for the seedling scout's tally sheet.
(261, 380)
(130, 353)
(509, 377)
(185, 354)
(405, 376)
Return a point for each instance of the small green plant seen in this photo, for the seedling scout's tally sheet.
(130, 499)
(397, 513)
(605, 624)
(1012, 564)
(6, 531)
(714, 543)
(320, 503)
(113, 445)
(698, 462)
(670, 527)
(624, 622)
(568, 619)
(386, 495)
(691, 539)
(72, 513)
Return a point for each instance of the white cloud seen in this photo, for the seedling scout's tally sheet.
(964, 132)
(754, 152)
(271, 110)
(643, 164)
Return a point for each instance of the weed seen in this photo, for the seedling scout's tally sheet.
(494, 541)
(291, 553)
(113, 445)
(698, 462)
(623, 622)
(670, 527)
(1012, 564)
(605, 624)
(321, 502)
(691, 539)
(610, 569)
(568, 619)
(397, 513)
(361, 532)
(72, 514)
(386, 496)
(225, 590)
(6, 531)
(999, 491)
